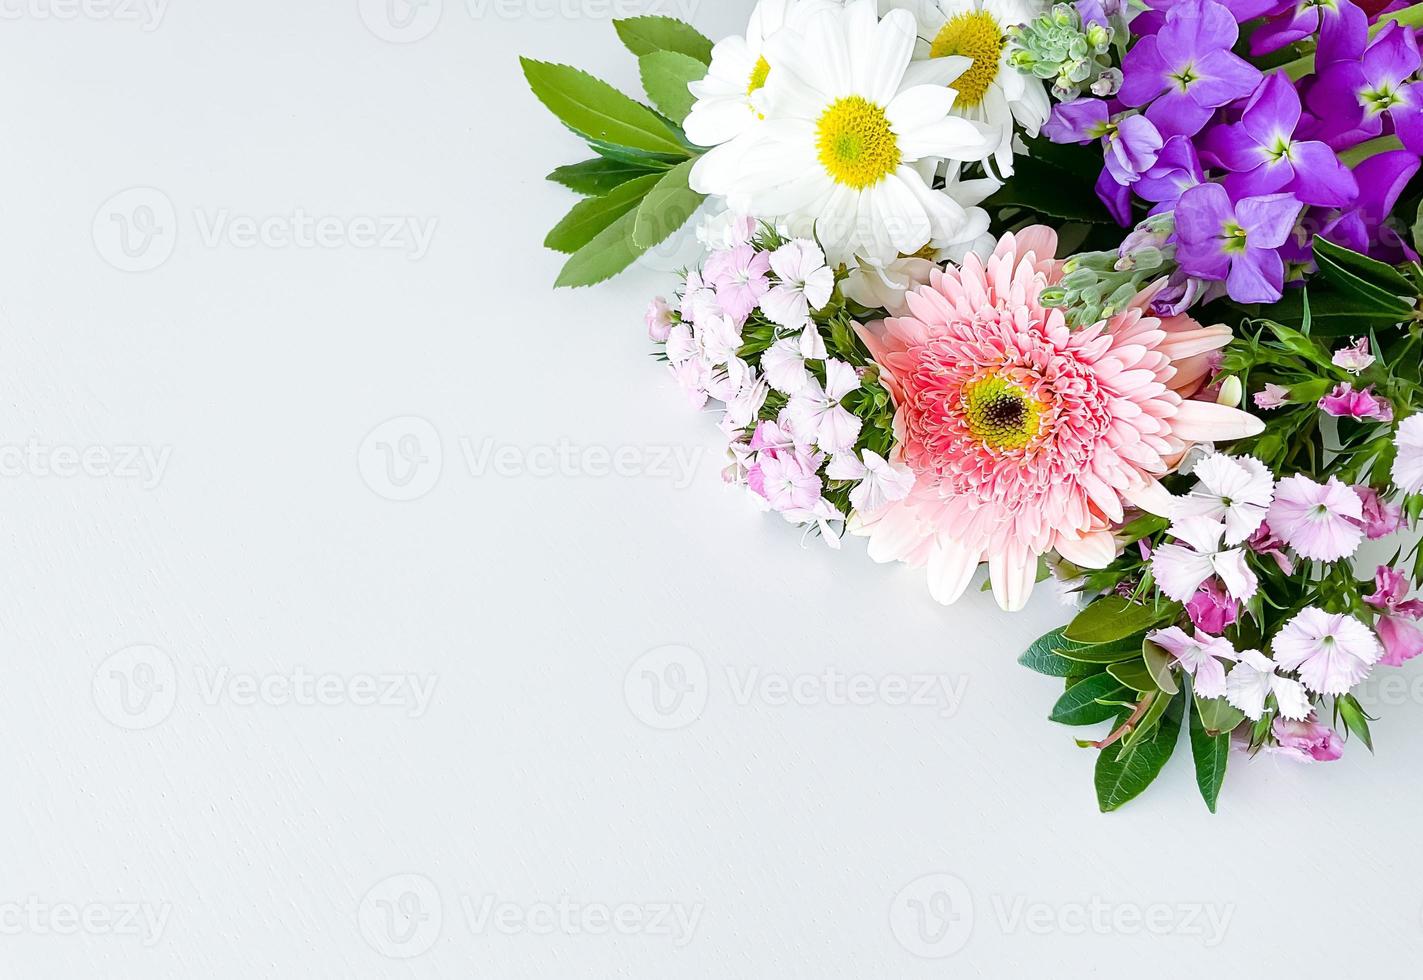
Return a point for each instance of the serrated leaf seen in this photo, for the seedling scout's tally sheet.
(1081, 703)
(610, 252)
(595, 110)
(588, 218)
(1122, 776)
(1112, 618)
(595, 177)
(665, 77)
(644, 35)
(1211, 753)
(667, 207)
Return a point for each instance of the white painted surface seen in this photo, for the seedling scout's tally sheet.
(263, 834)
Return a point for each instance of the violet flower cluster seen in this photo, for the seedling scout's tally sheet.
(1253, 163)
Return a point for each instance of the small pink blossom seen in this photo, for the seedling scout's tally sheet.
(784, 361)
(1272, 396)
(739, 276)
(1255, 678)
(1345, 402)
(1355, 358)
(805, 283)
(1408, 464)
(1181, 570)
(1331, 651)
(1402, 639)
(788, 481)
(881, 481)
(659, 320)
(1234, 489)
(1265, 542)
(1200, 656)
(1211, 609)
(1307, 741)
(1320, 521)
(817, 410)
(1381, 518)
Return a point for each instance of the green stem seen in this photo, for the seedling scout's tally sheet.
(1379, 144)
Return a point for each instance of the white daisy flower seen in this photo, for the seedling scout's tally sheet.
(848, 117)
(728, 99)
(991, 91)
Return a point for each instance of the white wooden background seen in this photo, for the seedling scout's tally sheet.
(260, 719)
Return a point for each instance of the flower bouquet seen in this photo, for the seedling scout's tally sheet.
(1122, 296)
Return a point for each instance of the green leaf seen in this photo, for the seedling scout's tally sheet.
(588, 218)
(666, 208)
(1046, 656)
(1123, 776)
(665, 77)
(1050, 190)
(644, 35)
(1378, 273)
(1355, 719)
(597, 111)
(1211, 753)
(1159, 662)
(1378, 298)
(595, 177)
(1080, 704)
(1218, 715)
(1134, 674)
(610, 252)
(1159, 703)
(1113, 618)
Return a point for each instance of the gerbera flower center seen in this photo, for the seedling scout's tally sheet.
(856, 144)
(974, 34)
(1001, 413)
(759, 74)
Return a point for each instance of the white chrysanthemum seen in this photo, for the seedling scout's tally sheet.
(728, 99)
(991, 91)
(848, 119)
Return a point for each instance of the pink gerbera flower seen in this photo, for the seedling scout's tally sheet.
(1026, 436)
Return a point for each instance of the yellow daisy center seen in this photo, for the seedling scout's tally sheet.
(856, 144)
(975, 35)
(757, 81)
(1001, 413)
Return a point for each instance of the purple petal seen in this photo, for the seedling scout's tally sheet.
(1268, 178)
(1334, 96)
(1343, 32)
(1078, 121)
(1319, 177)
(1177, 114)
(1194, 27)
(1224, 78)
(1258, 276)
(1391, 59)
(1116, 197)
(1267, 220)
(1144, 73)
(1273, 111)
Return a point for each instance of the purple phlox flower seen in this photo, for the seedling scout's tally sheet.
(1346, 403)
(1264, 156)
(1186, 71)
(1130, 142)
(1342, 28)
(1353, 95)
(1401, 637)
(1237, 243)
(1101, 11)
(1177, 168)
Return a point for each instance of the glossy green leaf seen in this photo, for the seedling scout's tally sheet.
(1211, 753)
(1046, 656)
(644, 35)
(590, 217)
(1082, 703)
(1218, 715)
(1355, 719)
(1134, 674)
(1378, 273)
(667, 207)
(595, 177)
(1147, 725)
(594, 109)
(665, 77)
(1122, 776)
(1159, 662)
(1113, 618)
